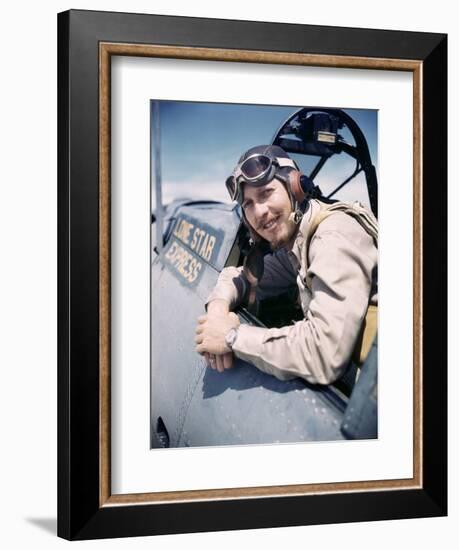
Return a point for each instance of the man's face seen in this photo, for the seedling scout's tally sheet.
(267, 209)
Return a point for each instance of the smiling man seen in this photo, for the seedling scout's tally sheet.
(328, 251)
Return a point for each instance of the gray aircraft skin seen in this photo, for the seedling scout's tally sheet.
(193, 405)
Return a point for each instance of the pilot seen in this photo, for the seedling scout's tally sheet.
(327, 249)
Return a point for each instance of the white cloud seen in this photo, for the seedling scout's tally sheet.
(194, 189)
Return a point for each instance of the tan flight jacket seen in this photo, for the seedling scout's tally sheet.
(336, 284)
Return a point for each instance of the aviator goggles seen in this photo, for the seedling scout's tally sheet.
(256, 170)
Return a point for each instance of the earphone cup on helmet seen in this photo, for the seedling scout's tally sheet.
(294, 181)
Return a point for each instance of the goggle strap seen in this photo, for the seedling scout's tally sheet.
(286, 162)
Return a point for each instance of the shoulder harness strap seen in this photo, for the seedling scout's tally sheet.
(368, 221)
(361, 214)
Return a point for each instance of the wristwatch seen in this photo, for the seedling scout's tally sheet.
(230, 337)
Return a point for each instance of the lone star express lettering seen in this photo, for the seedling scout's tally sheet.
(184, 262)
(196, 239)
(201, 242)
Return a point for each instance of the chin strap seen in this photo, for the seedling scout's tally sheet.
(297, 215)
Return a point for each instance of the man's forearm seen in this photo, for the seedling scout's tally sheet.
(218, 307)
(226, 288)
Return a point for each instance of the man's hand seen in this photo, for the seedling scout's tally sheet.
(210, 338)
(219, 362)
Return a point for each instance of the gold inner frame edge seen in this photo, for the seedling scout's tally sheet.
(106, 50)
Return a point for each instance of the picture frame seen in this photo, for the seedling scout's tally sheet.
(87, 41)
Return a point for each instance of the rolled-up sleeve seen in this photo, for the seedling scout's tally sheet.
(318, 348)
(230, 287)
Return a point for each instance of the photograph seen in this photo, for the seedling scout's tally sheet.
(264, 274)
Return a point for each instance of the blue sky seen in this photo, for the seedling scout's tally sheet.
(201, 143)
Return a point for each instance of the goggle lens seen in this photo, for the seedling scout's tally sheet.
(256, 166)
(256, 170)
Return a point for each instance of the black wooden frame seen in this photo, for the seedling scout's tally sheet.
(80, 515)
